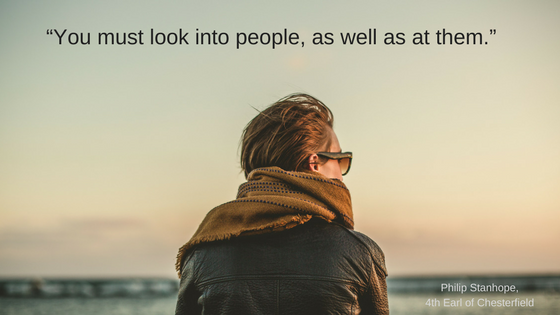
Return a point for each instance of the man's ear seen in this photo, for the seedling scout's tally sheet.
(314, 163)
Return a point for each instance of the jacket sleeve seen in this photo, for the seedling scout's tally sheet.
(374, 300)
(187, 301)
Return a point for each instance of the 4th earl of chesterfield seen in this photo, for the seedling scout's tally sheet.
(286, 244)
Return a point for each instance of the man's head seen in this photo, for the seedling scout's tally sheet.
(288, 134)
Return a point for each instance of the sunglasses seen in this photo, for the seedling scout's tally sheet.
(344, 159)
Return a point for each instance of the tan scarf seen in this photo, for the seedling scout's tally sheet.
(274, 200)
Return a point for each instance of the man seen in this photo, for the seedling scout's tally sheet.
(286, 244)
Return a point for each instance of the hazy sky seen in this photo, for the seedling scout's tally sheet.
(111, 155)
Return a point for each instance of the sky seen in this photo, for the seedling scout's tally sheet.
(111, 155)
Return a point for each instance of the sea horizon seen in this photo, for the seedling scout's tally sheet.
(411, 295)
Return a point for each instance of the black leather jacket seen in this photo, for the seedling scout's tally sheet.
(314, 268)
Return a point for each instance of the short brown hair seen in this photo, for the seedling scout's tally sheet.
(286, 133)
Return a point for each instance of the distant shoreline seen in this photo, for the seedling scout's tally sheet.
(160, 287)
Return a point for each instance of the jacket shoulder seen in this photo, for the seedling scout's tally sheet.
(376, 253)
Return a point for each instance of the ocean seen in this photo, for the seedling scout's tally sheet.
(88, 306)
(493, 295)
